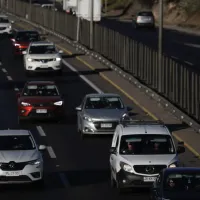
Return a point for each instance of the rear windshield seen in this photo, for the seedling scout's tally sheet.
(28, 36)
(4, 20)
(145, 14)
(40, 90)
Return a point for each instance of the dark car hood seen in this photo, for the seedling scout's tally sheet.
(40, 99)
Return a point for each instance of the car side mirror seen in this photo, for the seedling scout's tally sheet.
(42, 147)
(113, 150)
(18, 94)
(180, 149)
(129, 108)
(24, 52)
(60, 52)
(78, 108)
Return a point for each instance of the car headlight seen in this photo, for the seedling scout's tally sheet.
(37, 163)
(9, 26)
(173, 165)
(58, 103)
(87, 118)
(30, 59)
(126, 167)
(57, 59)
(25, 104)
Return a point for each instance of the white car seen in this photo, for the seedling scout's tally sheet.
(42, 56)
(5, 25)
(20, 158)
(140, 150)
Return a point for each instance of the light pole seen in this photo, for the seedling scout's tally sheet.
(106, 6)
(91, 23)
(78, 22)
(30, 8)
(160, 46)
(54, 14)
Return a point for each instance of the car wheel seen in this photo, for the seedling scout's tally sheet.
(112, 181)
(82, 135)
(39, 184)
(119, 189)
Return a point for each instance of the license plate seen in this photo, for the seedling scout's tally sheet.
(41, 111)
(44, 66)
(106, 125)
(13, 173)
(149, 179)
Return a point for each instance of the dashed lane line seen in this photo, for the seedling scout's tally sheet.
(40, 131)
(51, 152)
(64, 180)
(16, 89)
(92, 85)
(9, 78)
(4, 70)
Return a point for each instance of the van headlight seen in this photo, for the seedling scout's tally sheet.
(87, 118)
(58, 103)
(126, 167)
(36, 163)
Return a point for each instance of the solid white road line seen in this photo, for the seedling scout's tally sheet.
(4, 70)
(40, 131)
(9, 78)
(92, 85)
(51, 152)
(189, 63)
(64, 180)
(0, 63)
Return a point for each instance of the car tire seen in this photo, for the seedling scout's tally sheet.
(112, 181)
(82, 135)
(119, 189)
(39, 184)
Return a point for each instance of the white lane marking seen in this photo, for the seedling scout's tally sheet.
(16, 89)
(187, 62)
(0, 63)
(9, 78)
(64, 179)
(92, 85)
(4, 70)
(51, 152)
(40, 131)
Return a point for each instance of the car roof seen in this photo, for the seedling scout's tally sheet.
(38, 43)
(41, 82)
(181, 170)
(11, 132)
(141, 129)
(102, 95)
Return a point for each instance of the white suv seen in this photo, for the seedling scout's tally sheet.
(42, 56)
(20, 158)
(5, 25)
(139, 151)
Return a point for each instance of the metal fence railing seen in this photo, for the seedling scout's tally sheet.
(180, 83)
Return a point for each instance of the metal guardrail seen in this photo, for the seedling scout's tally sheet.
(180, 83)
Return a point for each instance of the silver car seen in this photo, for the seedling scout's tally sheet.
(100, 113)
(144, 19)
(20, 158)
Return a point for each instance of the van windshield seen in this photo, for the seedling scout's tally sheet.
(146, 145)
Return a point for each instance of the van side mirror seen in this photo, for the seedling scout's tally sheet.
(113, 150)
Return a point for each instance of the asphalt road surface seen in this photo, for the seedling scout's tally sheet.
(181, 46)
(74, 168)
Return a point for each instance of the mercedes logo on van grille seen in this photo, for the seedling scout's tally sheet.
(12, 165)
(150, 169)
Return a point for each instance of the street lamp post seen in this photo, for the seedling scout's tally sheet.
(160, 46)
(30, 8)
(54, 14)
(91, 23)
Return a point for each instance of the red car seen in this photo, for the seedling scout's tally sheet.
(22, 39)
(40, 100)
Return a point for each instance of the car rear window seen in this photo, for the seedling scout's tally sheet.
(145, 14)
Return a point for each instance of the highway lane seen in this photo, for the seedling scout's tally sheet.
(179, 45)
(77, 169)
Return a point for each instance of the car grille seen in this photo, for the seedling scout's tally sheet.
(44, 69)
(12, 166)
(2, 28)
(42, 104)
(22, 178)
(148, 169)
(43, 60)
(99, 123)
